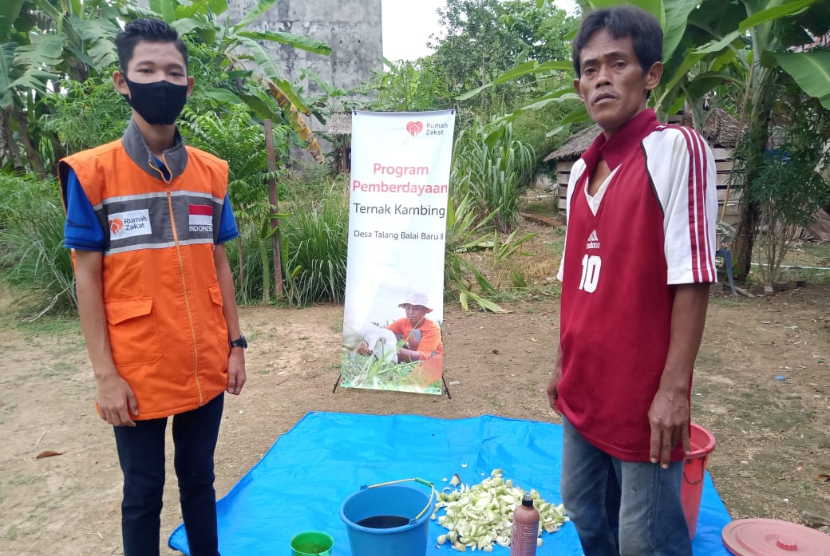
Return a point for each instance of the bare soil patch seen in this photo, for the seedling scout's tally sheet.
(773, 435)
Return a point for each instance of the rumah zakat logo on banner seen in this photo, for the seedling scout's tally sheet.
(414, 128)
(116, 224)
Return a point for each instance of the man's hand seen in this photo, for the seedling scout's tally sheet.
(363, 348)
(553, 386)
(669, 417)
(236, 371)
(116, 401)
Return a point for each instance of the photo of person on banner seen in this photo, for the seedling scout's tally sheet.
(405, 354)
(421, 336)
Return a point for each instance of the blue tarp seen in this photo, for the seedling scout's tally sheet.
(301, 482)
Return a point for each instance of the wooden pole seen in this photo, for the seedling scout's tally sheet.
(272, 198)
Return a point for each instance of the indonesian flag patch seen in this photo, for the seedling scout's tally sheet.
(200, 218)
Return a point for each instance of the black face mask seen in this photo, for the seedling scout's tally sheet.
(159, 102)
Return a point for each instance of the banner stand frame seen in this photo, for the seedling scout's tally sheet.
(445, 388)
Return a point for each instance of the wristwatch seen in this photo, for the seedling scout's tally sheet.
(240, 342)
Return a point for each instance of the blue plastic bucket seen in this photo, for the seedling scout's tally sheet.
(391, 500)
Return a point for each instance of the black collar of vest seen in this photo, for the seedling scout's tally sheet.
(175, 157)
(620, 145)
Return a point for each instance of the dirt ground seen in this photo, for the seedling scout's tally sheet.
(773, 435)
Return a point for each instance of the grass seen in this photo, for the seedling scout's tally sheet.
(728, 301)
(314, 253)
(31, 245)
(802, 261)
(819, 252)
(52, 326)
(23, 479)
(56, 370)
(304, 189)
(556, 247)
(512, 295)
(12, 533)
(548, 206)
(360, 371)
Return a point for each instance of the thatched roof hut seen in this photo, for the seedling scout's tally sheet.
(720, 131)
(340, 124)
(577, 145)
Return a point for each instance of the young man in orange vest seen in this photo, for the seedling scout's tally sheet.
(147, 218)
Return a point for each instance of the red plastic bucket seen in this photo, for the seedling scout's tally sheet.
(702, 443)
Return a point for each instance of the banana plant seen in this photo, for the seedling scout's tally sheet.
(41, 41)
(243, 50)
(702, 40)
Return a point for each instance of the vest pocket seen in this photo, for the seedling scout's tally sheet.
(133, 330)
(220, 325)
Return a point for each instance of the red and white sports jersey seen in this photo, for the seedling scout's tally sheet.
(651, 225)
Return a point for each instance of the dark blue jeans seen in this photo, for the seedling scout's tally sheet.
(622, 508)
(141, 455)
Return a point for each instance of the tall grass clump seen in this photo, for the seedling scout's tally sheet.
(32, 254)
(492, 167)
(314, 246)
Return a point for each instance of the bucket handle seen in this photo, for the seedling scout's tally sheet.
(416, 480)
(693, 483)
(702, 476)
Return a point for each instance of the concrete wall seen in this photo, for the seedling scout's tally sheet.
(351, 27)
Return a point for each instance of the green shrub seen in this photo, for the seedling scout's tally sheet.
(88, 114)
(783, 182)
(307, 186)
(314, 244)
(533, 126)
(492, 167)
(32, 254)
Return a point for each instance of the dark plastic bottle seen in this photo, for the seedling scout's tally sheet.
(525, 529)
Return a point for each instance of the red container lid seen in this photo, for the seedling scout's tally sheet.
(771, 537)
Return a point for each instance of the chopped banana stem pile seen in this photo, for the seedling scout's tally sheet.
(482, 515)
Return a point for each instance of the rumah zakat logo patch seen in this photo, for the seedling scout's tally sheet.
(414, 128)
(130, 223)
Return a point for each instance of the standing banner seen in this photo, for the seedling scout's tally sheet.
(399, 186)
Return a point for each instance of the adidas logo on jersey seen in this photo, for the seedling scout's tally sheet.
(593, 241)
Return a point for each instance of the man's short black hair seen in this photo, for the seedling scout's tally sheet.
(146, 29)
(621, 22)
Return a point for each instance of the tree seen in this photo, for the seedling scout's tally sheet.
(772, 34)
(47, 46)
(41, 41)
(709, 42)
(485, 38)
(788, 187)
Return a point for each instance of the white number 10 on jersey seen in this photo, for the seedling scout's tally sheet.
(590, 273)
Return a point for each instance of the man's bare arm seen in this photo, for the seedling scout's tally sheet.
(670, 413)
(236, 358)
(115, 397)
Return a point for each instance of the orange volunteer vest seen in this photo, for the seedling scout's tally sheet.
(162, 299)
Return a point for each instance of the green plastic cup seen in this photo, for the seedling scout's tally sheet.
(311, 543)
